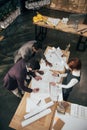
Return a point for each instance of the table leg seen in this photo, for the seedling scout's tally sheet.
(43, 33)
(40, 33)
(81, 42)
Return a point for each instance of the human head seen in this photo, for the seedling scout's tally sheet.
(33, 64)
(74, 63)
(28, 54)
(36, 46)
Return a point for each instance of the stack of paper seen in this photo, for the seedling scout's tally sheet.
(79, 111)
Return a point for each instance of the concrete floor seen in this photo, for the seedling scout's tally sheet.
(18, 33)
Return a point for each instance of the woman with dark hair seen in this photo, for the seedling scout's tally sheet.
(71, 77)
(15, 78)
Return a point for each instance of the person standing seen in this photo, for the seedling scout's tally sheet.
(70, 78)
(31, 49)
(15, 78)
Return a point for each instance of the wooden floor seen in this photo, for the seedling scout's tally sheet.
(18, 33)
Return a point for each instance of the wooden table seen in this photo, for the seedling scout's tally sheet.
(44, 123)
(41, 124)
(41, 30)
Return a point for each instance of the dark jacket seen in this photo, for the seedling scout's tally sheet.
(16, 76)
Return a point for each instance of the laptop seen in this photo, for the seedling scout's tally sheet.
(80, 18)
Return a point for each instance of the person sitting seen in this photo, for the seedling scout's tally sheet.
(29, 50)
(71, 77)
(15, 78)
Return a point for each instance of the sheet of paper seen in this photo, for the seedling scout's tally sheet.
(40, 95)
(36, 117)
(55, 60)
(43, 65)
(78, 111)
(55, 93)
(31, 104)
(32, 101)
(53, 21)
(38, 110)
(43, 84)
(72, 123)
(54, 56)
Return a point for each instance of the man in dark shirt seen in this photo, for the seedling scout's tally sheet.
(31, 49)
(15, 78)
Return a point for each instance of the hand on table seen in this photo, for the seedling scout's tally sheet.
(55, 74)
(52, 83)
(38, 78)
(40, 72)
(48, 63)
(35, 90)
(55, 84)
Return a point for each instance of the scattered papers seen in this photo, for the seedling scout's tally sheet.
(59, 51)
(53, 21)
(42, 85)
(36, 117)
(54, 55)
(71, 123)
(38, 110)
(31, 104)
(36, 113)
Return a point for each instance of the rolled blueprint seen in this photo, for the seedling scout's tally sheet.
(36, 117)
(40, 109)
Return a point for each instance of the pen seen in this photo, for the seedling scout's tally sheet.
(38, 102)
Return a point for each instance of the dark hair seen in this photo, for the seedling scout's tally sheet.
(34, 64)
(28, 54)
(75, 63)
(37, 45)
